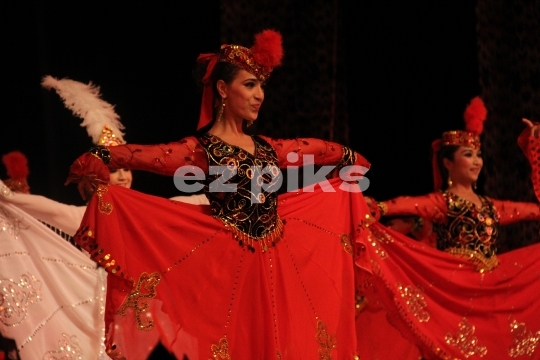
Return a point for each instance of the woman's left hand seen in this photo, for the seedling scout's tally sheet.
(534, 127)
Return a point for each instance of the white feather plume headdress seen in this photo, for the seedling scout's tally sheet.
(101, 121)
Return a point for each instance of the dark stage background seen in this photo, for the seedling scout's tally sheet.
(386, 78)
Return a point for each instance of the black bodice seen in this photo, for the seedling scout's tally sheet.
(250, 209)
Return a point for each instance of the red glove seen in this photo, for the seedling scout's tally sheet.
(88, 171)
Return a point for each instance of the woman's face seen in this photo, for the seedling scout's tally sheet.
(122, 177)
(243, 97)
(466, 166)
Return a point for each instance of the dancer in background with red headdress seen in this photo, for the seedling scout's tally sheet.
(265, 276)
(454, 296)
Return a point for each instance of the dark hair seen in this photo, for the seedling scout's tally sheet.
(446, 152)
(222, 71)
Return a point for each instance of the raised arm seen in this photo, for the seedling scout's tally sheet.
(530, 144)
(64, 217)
(316, 151)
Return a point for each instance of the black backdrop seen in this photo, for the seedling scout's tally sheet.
(409, 71)
(405, 72)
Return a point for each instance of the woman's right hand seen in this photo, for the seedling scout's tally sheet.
(88, 171)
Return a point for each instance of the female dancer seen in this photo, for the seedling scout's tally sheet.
(466, 300)
(264, 276)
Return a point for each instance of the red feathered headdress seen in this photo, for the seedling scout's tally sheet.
(17, 170)
(475, 115)
(260, 60)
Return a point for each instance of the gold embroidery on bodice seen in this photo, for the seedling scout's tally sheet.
(250, 211)
(470, 231)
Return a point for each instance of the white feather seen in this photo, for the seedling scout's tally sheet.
(85, 102)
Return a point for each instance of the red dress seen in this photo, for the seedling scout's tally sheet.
(236, 280)
(464, 301)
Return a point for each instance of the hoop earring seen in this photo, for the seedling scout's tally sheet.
(221, 110)
(449, 181)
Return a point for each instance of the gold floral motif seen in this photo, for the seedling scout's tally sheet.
(416, 303)
(524, 342)
(346, 243)
(11, 223)
(328, 342)
(144, 289)
(469, 229)
(103, 207)
(221, 350)
(15, 297)
(465, 340)
(68, 348)
(250, 212)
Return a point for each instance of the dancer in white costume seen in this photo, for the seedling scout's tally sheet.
(52, 295)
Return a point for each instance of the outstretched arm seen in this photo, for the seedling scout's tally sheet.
(162, 159)
(513, 211)
(431, 207)
(64, 217)
(92, 168)
(306, 151)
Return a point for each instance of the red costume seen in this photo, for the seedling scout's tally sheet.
(457, 299)
(273, 279)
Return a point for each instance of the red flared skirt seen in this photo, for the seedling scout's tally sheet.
(442, 305)
(177, 273)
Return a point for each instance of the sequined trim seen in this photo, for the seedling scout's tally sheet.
(416, 303)
(15, 298)
(144, 289)
(68, 348)
(524, 342)
(221, 350)
(482, 263)
(326, 341)
(248, 242)
(103, 207)
(377, 236)
(465, 340)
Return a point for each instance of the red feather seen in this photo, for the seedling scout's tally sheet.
(268, 49)
(475, 115)
(16, 165)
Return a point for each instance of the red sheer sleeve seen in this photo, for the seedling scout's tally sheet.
(512, 211)
(531, 147)
(162, 159)
(323, 152)
(431, 207)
